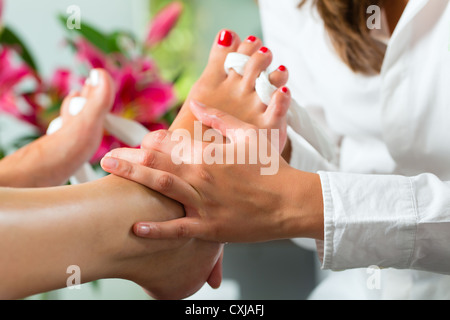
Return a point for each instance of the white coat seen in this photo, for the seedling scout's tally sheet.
(387, 199)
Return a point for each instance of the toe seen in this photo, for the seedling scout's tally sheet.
(258, 63)
(279, 77)
(67, 103)
(99, 93)
(278, 107)
(248, 48)
(226, 41)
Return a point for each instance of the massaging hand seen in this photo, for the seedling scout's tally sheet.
(223, 202)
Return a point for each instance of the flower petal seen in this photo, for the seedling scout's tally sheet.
(164, 22)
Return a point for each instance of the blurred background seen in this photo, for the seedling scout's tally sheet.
(58, 58)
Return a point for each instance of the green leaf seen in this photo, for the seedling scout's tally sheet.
(10, 38)
(104, 42)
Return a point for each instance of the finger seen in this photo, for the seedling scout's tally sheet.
(146, 157)
(184, 228)
(161, 141)
(178, 144)
(165, 183)
(225, 123)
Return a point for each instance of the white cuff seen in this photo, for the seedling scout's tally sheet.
(369, 220)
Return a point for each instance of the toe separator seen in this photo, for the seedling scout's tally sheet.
(308, 128)
(264, 88)
(237, 62)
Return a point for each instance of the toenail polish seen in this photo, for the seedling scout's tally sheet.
(263, 50)
(94, 78)
(76, 105)
(284, 90)
(282, 68)
(251, 39)
(225, 38)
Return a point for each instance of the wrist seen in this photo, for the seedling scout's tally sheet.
(303, 210)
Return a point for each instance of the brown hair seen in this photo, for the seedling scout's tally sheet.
(346, 23)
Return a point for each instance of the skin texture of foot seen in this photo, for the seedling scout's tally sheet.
(235, 94)
(52, 159)
(99, 93)
(167, 270)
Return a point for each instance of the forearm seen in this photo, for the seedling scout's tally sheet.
(44, 231)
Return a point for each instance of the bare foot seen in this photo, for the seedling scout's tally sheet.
(235, 94)
(52, 159)
(165, 269)
(84, 112)
(189, 266)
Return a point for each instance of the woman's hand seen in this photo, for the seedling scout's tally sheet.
(223, 202)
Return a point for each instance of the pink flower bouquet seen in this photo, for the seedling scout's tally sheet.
(142, 95)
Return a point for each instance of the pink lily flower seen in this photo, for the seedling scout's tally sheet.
(163, 23)
(155, 100)
(61, 82)
(10, 77)
(86, 52)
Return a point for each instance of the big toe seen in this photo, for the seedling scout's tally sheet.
(95, 99)
(226, 42)
(99, 92)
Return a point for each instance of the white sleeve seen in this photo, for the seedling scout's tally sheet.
(385, 221)
(304, 157)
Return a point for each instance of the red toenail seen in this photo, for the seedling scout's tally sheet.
(225, 38)
(263, 50)
(282, 68)
(285, 89)
(251, 39)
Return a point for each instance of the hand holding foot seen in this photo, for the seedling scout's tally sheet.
(235, 94)
(213, 212)
(262, 209)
